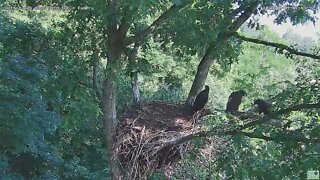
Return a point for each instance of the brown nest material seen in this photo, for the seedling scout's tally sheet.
(143, 135)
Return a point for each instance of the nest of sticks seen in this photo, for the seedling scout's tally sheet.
(144, 134)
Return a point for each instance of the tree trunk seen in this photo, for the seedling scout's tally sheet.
(110, 115)
(201, 75)
(110, 120)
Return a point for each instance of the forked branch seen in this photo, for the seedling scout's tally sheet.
(149, 30)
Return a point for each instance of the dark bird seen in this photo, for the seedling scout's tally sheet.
(201, 99)
(264, 106)
(234, 101)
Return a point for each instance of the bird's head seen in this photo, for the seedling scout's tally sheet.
(257, 102)
(243, 93)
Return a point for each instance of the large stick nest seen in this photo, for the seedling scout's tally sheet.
(143, 135)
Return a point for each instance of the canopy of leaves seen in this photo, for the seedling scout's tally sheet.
(50, 113)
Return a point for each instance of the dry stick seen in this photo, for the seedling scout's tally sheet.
(126, 147)
(138, 152)
(147, 141)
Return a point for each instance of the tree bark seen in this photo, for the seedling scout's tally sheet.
(115, 49)
(110, 120)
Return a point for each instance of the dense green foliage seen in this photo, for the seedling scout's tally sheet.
(44, 116)
(51, 111)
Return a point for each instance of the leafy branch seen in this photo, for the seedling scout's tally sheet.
(238, 129)
(125, 22)
(281, 137)
(164, 16)
(276, 45)
(297, 108)
(243, 17)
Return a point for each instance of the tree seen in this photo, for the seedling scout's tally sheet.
(228, 22)
(116, 28)
(108, 30)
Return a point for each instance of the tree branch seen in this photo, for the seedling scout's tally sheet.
(236, 24)
(281, 137)
(185, 138)
(215, 47)
(275, 114)
(276, 45)
(238, 130)
(164, 16)
(243, 17)
(296, 108)
(112, 18)
(125, 23)
(235, 12)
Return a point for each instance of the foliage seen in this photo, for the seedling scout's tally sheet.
(35, 94)
(23, 105)
(51, 112)
(23, 102)
(261, 73)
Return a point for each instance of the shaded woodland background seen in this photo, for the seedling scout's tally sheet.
(69, 70)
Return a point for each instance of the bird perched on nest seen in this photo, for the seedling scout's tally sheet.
(201, 99)
(234, 101)
(263, 105)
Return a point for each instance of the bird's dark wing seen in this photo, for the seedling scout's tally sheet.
(229, 103)
(230, 99)
(200, 100)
